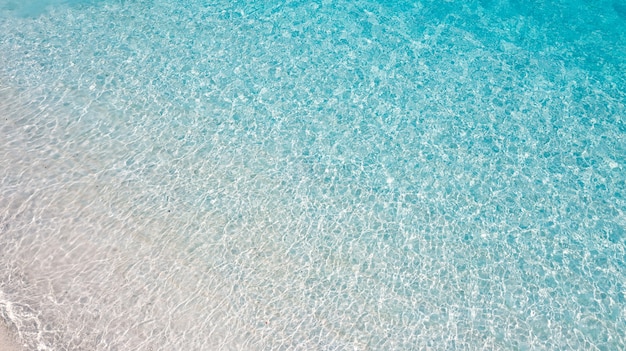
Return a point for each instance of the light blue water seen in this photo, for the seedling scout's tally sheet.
(313, 175)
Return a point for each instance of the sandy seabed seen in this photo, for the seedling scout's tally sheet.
(8, 341)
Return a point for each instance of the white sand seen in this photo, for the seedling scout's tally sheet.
(7, 340)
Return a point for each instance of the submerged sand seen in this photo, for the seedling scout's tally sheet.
(8, 341)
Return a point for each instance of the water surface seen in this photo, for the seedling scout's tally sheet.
(313, 175)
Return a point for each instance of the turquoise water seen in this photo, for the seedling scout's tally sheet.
(313, 175)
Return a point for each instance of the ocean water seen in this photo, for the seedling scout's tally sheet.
(313, 175)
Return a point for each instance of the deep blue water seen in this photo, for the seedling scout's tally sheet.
(313, 175)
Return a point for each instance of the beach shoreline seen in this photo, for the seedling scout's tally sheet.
(8, 341)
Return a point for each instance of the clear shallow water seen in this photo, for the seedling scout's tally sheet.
(313, 175)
